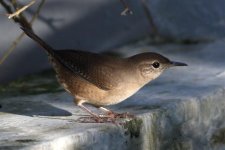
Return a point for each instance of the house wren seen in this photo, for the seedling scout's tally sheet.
(102, 80)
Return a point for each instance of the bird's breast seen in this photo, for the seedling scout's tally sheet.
(90, 93)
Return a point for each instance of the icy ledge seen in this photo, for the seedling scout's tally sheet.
(184, 109)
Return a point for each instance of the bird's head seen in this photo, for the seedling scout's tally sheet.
(150, 65)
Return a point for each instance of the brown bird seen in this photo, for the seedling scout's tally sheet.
(102, 80)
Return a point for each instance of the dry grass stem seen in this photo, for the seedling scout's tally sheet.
(17, 13)
(21, 21)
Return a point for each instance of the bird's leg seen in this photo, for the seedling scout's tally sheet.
(87, 110)
(107, 112)
(112, 114)
(95, 117)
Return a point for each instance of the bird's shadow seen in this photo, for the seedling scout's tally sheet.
(32, 108)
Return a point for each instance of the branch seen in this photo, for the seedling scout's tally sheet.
(126, 9)
(6, 6)
(19, 11)
(150, 19)
(22, 21)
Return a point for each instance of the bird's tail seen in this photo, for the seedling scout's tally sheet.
(36, 38)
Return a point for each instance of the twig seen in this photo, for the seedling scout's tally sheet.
(37, 12)
(126, 9)
(154, 29)
(11, 48)
(6, 6)
(17, 13)
(19, 20)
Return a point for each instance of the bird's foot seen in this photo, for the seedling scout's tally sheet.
(108, 117)
(114, 115)
(97, 119)
(111, 117)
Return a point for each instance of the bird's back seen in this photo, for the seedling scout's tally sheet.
(95, 78)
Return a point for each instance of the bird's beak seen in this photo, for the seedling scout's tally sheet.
(173, 63)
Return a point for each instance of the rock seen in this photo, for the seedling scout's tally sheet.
(183, 109)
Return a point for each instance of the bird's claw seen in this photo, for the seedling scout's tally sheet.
(93, 119)
(110, 117)
(114, 115)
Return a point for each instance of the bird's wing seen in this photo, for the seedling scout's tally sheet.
(92, 67)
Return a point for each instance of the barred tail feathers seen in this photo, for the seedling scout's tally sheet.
(36, 38)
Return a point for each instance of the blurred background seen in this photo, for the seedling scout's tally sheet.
(98, 26)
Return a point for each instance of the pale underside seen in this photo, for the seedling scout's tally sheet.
(95, 80)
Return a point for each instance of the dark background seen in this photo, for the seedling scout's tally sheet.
(96, 25)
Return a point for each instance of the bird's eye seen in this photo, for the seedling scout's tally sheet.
(156, 64)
